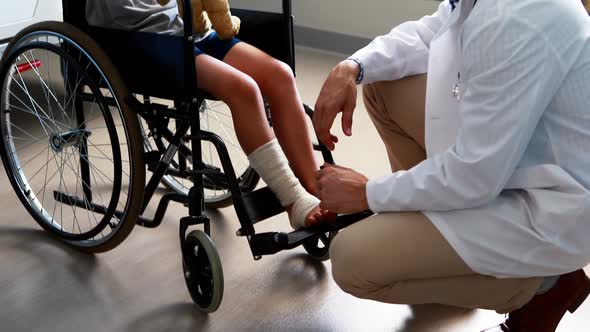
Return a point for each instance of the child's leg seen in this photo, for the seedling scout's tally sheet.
(277, 84)
(243, 97)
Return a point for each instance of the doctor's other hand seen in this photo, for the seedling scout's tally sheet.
(342, 190)
(338, 95)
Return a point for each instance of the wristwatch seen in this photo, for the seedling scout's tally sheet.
(361, 74)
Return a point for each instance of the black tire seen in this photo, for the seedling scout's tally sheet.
(318, 247)
(203, 272)
(74, 49)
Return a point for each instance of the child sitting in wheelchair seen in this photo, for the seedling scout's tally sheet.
(240, 75)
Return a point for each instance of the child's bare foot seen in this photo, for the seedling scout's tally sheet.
(316, 217)
(328, 217)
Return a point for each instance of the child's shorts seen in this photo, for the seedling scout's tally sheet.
(215, 47)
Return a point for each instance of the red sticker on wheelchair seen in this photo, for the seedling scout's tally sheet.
(28, 66)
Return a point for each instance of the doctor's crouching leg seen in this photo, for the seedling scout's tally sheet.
(402, 258)
(397, 111)
(409, 261)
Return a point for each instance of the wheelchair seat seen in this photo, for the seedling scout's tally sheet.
(154, 64)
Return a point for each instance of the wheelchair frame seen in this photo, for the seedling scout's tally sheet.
(178, 82)
(251, 207)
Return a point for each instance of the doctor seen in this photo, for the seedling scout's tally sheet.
(484, 108)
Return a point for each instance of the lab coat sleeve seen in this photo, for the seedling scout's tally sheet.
(404, 51)
(511, 73)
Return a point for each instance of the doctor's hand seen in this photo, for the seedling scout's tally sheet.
(338, 95)
(342, 190)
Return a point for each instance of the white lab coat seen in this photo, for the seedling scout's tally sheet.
(507, 175)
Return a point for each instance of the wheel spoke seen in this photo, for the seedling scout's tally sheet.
(232, 142)
(34, 103)
(24, 132)
(33, 158)
(34, 113)
(37, 115)
(44, 181)
(106, 157)
(48, 66)
(102, 201)
(45, 87)
(44, 166)
(76, 87)
(26, 146)
(65, 161)
(83, 183)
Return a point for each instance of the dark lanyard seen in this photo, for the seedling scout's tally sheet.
(455, 2)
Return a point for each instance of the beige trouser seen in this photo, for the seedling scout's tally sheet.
(401, 257)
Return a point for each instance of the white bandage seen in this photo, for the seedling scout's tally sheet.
(272, 165)
(301, 209)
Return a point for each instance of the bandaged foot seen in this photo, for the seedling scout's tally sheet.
(272, 165)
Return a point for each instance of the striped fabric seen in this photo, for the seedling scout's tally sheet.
(586, 4)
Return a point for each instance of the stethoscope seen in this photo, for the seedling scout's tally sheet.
(456, 91)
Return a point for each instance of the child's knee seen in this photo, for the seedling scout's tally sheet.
(278, 76)
(243, 90)
(283, 70)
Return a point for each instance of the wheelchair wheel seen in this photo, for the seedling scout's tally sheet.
(215, 117)
(319, 247)
(69, 143)
(202, 271)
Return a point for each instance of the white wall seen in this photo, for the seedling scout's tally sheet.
(363, 18)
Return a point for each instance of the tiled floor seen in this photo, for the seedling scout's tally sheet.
(45, 286)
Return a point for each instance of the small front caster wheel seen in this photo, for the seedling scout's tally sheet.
(202, 271)
(318, 246)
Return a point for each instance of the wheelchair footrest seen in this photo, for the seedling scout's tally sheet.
(271, 243)
(268, 243)
(342, 221)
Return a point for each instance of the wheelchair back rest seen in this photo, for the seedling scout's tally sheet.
(74, 12)
(154, 64)
(270, 32)
(150, 64)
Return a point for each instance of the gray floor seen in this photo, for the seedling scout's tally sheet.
(45, 286)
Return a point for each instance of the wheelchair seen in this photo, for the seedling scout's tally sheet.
(86, 111)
